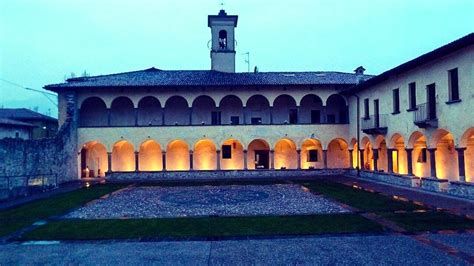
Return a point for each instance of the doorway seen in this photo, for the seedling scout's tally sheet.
(261, 159)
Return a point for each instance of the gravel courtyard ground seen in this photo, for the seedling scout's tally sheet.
(236, 200)
(341, 250)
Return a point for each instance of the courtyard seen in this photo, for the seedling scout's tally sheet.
(311, 221)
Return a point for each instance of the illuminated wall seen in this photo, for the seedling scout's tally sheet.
(205, 155)
(399, 157)
(285, 154)
(355, 157)
(236, 162)
(338, 154)
(150, 156)
(368, 157)
(469, 159)
(420, 168)
(96, 158)
(447, 159)
(382, 162)
(253, 146)
(177, 156)
(123, 157)
(311, 144)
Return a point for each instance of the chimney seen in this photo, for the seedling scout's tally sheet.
(359, 74)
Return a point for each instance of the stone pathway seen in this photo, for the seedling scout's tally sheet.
(236, 200)
(325, 250)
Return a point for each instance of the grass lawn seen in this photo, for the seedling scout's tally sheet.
(429, 221)
(360, 199)
(202, 227)
(16, 218)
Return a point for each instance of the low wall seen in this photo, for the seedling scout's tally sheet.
(219, 175)
(401, 180)
(20, 160)
(461, 189)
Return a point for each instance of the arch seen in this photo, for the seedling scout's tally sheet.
(205, 155)
(150, 156)
(123, 157)
(337, 111)
(94, 158)
(93, 113)
(122, 112)
(202, 109)
(149, 112)
(312, 154)
(258, 155)
(284, 110)
(286, 156)
(338, 154)
(177, 156)
(420, 156)
(399, 154)
(232, 110)
(467, 141)
(363, 143)
(257, 110)
(446, 156)
(223, 39)
(382, 158)
(311, 110)
(177, 111)
(236, 159)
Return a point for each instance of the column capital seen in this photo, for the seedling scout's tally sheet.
(461, 149)
(298, 150)
(408, 149)
(245, 151)
(431, 149)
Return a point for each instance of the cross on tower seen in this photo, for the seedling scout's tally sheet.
(222, 4)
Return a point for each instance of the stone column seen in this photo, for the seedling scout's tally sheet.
(432, 152)
(137, 161)
(163, 155)
(136, 116)
(190, 160)
(325, 158)
(390, 160)
(272, 159)
(109, 117)
(271, 115)
(109, 161)
(409, 161)
(361, 155)
(351, 159)
(162, 116)
(461, 164)
(245, 160)
(190, 115)
(376, 158)
(218, 161)
(299, 159)
(244, 115)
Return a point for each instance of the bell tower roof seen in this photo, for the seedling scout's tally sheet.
(222, 17)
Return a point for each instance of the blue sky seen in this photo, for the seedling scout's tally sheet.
(42, 41)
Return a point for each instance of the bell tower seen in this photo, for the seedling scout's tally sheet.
(223, 41)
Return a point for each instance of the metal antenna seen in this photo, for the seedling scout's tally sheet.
(247, 60)
(45, 94)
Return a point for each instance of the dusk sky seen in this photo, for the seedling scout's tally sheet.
(42, 41)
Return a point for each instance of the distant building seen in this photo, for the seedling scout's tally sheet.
(43, 126)
(15, 129)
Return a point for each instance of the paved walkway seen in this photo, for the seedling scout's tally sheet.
(431, 199)
(328, 250)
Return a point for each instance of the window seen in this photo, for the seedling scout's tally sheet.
(453, 85)
(223, 39)
(396, 101)
(422, 156)
(331, 119)
(366, 108)
(315, 117)
(216, 118)
(256, 121)
(226, 152)
(313, 156)
(234, 120)
(293, 116)
(17, 134)
(412, 96)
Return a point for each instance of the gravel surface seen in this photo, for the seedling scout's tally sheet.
(462, 242)
(155, 202)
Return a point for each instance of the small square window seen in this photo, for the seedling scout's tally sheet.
(256, 120)
(226, 152)
(422, 157)
(234, 120)
(313, 156)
